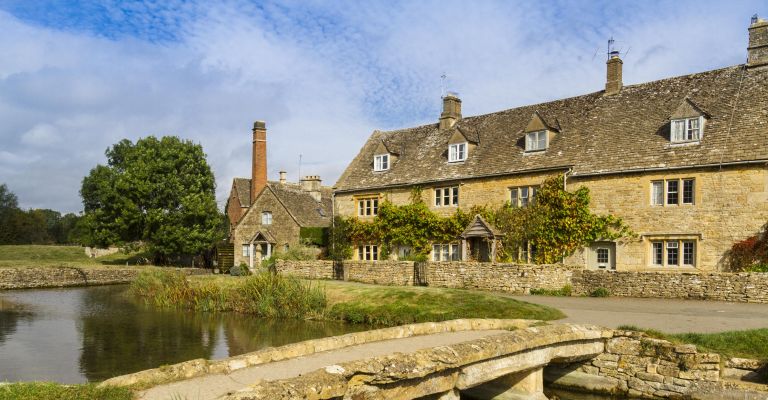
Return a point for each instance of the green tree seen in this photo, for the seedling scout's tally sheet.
(157, 191)
(9, 205)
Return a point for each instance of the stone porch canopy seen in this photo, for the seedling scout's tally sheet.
(479, 239)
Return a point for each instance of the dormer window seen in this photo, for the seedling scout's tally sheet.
(687, 129)
(536, 141)
(381, 162)
(457, 152)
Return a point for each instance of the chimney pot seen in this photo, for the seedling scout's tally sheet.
(451, 110)
(282, 177)
(613, 81)
(757, 50)
(312, 185)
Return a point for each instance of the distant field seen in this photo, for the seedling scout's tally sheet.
(52, 256)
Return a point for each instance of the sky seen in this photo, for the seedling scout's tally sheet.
(78, 76)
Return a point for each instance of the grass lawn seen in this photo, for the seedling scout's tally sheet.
(55, 391)
(751, 343)
(396, 305)
(54, 256)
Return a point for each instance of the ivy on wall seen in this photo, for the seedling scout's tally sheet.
(557, 224)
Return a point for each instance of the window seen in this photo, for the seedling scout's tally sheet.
(246, 250)
(448, 196)
(526, 252)
(266, 218)
(687, 129)
(381, 162)
(522, 196)
(457, 152)
(669, 192)
(368, 207)
(368, 252)
(446, 252)
(602, 257)
(667, 253)
(657, 193)
(535, 141)
(672, 191)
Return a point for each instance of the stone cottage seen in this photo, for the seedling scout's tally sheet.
(267, 216)
(682, 160)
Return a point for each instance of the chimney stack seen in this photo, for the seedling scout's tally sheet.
(259, 158)
(312, 184)
(613, 82)
(451, 111)
(757, 51)
(282, 177)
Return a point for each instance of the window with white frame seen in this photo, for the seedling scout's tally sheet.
(536, 141)
(446, 252)
(687, 129)
(266, 218)
(672, 192)
(448, 196)
(368, 252)
(368, 207)
(381, 162)
(457, 152)
(673, 253)
(522, 196)
(603, 257)
(526, 252)
(246, 250)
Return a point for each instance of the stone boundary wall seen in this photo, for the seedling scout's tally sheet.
(514, 278)
(201, 366)
(520, 279)
(48, 277)
(724, 286)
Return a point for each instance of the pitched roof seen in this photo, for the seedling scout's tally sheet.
(300, 204)
(597, 133)
(243, 190)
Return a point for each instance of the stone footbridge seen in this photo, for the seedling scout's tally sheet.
(483, 359)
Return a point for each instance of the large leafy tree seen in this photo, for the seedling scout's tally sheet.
(159, 192)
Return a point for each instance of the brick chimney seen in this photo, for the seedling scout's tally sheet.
(451, 111)
(613, 82)
(259, 167)
(312, 184)
(757, 51)
(282, 177)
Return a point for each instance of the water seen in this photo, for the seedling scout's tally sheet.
(91, 334)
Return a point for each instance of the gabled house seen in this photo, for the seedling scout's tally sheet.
(683, 160)
(267, 216)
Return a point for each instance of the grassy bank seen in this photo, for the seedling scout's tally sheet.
(54, 256)
(55, 391)
(286, 297)
(751, 343)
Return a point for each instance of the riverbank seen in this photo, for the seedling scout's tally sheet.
(279, 296)
(25, 256)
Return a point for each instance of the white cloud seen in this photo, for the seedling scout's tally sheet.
(323, 75)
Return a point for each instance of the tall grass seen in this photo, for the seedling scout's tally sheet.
(264, 294)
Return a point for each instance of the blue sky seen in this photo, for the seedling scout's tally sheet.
(78, 76)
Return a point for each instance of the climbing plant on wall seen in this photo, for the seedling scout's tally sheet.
(557, 224)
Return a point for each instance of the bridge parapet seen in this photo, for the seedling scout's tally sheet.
(518, 355)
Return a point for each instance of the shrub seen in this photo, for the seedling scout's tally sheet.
(751, 254)
(164, 288)
(600, 292)
(564, 291)
(240, 270)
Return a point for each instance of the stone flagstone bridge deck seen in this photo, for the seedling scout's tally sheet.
(484, 359)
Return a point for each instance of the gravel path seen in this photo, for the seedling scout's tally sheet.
(666, 315)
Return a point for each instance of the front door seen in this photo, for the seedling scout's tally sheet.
(479, 249)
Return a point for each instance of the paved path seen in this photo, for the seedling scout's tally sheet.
(213, 386)
(666, 315)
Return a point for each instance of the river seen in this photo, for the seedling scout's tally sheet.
(89, 334)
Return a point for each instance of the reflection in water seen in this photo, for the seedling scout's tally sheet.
(91, 334)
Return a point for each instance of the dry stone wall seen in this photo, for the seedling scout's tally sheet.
(737, 287)
(43, 277)
(520, 279)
